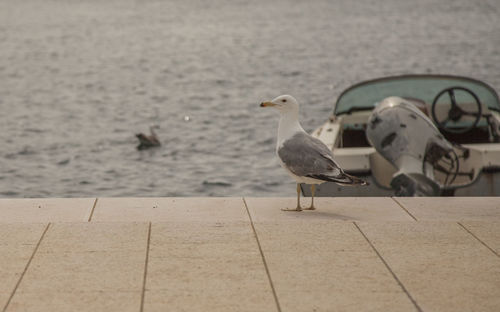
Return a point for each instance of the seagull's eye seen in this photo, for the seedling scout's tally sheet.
(284, 100)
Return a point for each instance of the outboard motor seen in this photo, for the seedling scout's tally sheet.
(408, 139)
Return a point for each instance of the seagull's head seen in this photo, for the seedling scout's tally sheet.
(283, 103)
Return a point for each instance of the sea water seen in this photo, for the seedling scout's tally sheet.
(78, 80)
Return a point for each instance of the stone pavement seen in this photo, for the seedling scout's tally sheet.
(245, 254)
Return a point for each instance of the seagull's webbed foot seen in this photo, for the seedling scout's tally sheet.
(298, 201)
(288, 209)
(310, 208)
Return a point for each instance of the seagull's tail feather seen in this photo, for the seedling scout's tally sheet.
(342, 179)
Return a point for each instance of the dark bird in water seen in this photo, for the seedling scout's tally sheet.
(148, 141)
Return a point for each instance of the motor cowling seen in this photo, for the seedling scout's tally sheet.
(407, 138)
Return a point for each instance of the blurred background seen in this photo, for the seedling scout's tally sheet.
(78, 80)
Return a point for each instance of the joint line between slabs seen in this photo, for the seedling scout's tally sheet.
(25, 268)
(145, 269)
(263, 258)
(473, 235)
(389, 269)
(402, 207)
(93, 208)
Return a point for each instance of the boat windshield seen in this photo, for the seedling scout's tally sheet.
(366, 95)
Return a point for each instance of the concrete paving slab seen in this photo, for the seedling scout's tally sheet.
(206, 299)
(100, 271)
(19, 234)
(452, 208)
(216, 273)
(443, 267)
(327, 266)
(59, 266)
(11, 268)
(95, 236)
(486, 232)
(4, 297)
(328, 209)
(63, 301)
(17, 243)
(206, 257)
(205, 266)
(207, 239)
(170, 209)
(35, 210)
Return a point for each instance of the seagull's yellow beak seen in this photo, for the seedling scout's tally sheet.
(267, 104)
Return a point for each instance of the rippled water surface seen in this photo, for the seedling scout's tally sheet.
(79, 78)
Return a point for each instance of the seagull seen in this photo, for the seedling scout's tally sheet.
(305, 158)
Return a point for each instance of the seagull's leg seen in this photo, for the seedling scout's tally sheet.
(298, 197)
(313, 188)
(298, 201)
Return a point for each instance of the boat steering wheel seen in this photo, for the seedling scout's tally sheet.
(455, 113)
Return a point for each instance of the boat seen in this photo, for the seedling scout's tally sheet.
(452, 148)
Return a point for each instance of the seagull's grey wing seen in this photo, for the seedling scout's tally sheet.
(304, 155)
(308, 157)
